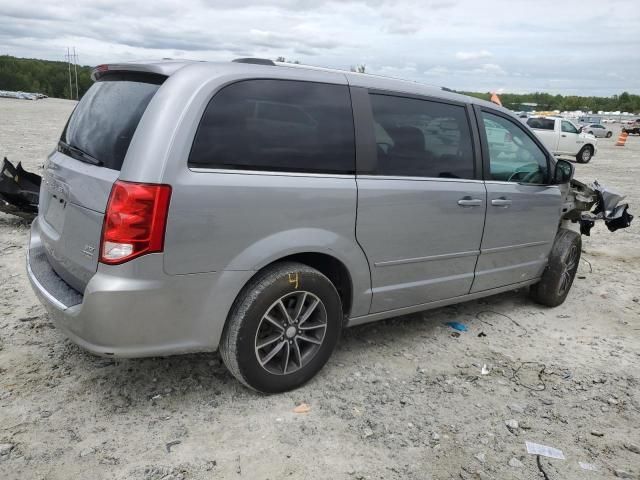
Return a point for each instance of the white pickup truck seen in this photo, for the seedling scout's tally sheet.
(563, 138)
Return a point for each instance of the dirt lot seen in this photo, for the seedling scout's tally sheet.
(404, 398)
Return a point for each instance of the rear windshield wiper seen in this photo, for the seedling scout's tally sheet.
(78, 154)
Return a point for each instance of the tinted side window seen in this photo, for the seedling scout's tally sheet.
(541, 123)
(421, 138)
(568, 127)
(513, 155)
(277, 125)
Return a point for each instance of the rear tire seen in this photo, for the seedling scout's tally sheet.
(609, 134)
(557, 278)
(282, 328)
(585, 154)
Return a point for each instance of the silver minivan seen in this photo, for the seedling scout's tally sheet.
(258, 208)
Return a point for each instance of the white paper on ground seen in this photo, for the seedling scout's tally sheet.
(536, 449)
(588, 466)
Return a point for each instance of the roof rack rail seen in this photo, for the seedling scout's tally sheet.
(256, 61)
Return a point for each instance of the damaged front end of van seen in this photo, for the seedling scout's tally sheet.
(587, 204)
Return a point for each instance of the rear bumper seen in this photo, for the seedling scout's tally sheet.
(135, 309)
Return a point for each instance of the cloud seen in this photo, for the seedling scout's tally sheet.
(490, 68)
(473, 55)
(281, 40)
(437, 71)
(460, 43)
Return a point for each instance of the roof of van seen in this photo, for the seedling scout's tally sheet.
(168, 67)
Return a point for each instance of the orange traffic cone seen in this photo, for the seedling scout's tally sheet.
(622, 139)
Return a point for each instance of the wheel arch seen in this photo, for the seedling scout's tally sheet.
(331, 267)
(337, 257)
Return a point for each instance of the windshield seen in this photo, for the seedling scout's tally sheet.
(104, 121)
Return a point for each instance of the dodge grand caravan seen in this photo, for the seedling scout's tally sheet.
(258, 209)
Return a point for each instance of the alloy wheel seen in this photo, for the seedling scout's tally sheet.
(291, 332)
(567, 269)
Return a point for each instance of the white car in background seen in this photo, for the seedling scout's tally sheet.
(597, 130)
(563, 138)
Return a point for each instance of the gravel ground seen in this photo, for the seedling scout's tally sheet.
(403, 398)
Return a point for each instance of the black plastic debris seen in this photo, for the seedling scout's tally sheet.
(621, 218)
(586, 226)
(19, 191)
(607, 208)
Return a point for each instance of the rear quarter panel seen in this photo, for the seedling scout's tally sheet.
(244, 221)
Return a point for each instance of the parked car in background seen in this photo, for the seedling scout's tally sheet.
(563, 138)
(632, 127)
(597, 130)
(257, 209)
(588, 119)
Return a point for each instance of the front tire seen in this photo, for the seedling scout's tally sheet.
(609, 134)
(585, 154)
(282, 328)
(557, 278)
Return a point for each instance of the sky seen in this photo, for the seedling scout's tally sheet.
(582, 47)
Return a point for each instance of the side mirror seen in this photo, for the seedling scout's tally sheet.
(563, 172)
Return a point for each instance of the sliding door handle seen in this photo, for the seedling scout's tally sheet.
(501, 202)
(469, 202)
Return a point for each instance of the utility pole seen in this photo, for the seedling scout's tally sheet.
(72, 57)
(75, 69)
(69, 63)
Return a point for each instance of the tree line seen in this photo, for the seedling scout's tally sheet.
(52, 79)
(625, 102)
(41, 76)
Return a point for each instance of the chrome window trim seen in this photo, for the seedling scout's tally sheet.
(504, 182)
(417, 179)
(272, 173)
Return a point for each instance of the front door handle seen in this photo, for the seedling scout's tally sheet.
(469, 202)
(563, 135)
(501, 202)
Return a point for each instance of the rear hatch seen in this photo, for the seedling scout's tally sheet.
(79, 175)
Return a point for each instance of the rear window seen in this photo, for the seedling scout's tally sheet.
(104, 121)
(542, 123)
(277, 125)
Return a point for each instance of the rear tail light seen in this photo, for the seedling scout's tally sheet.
(135, 221)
